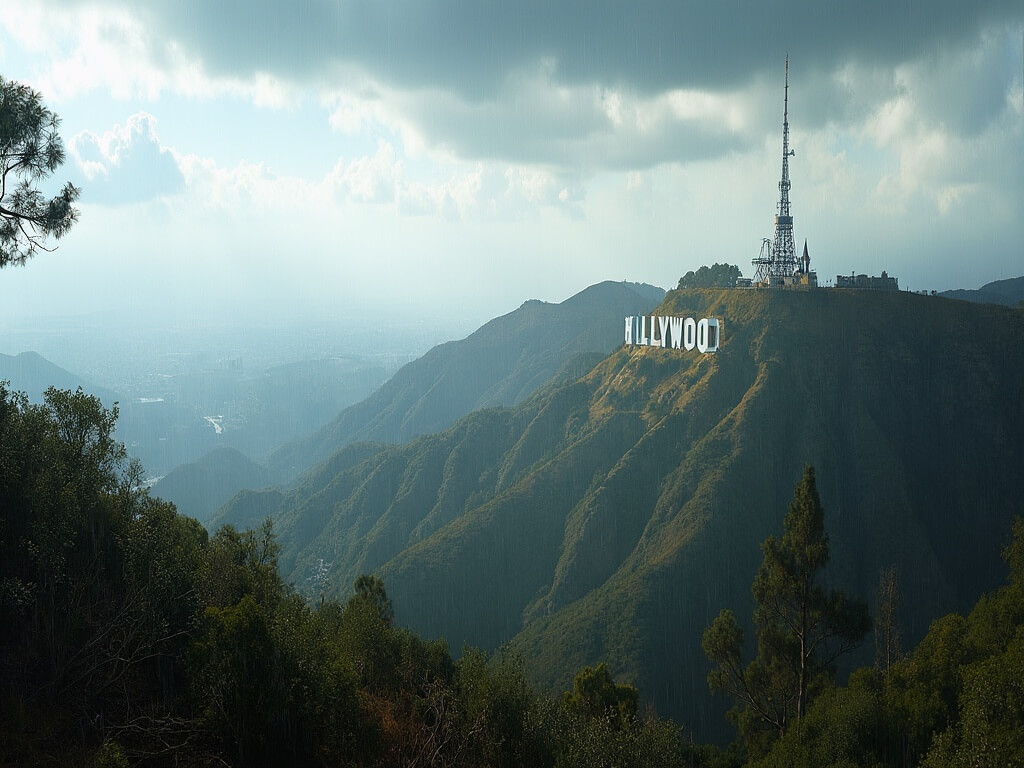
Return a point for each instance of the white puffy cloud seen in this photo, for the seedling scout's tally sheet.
(117, 49)
(126, 164)
(371, 179)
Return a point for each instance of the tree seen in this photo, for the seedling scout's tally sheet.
(887, 632)
(30, 150)
(801, 628)
(96, 585)
(598, 726)
(978, 693)
(845, 726)
(371, 588)
(240, 563)
(715, 276)
(595, 694)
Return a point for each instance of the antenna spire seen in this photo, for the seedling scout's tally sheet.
(785, 101)
(780, 262)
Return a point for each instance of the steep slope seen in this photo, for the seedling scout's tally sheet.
(612, 516)
(910, 408)
(501, 363)
(200, 488)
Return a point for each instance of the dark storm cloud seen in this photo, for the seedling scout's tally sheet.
(469, 46)
(482, 77)
(529, 125)
(967, 89)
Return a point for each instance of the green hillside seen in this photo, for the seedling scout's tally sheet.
(610, 517)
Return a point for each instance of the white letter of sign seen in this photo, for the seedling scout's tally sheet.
(643, 330)
(702, 335)
(663, 325)
(629, 330)
(676, 328)
(714, 334)
(689, 333)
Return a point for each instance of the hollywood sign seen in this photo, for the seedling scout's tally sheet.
(674, 332)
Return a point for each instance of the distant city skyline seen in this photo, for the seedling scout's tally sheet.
(282, 161)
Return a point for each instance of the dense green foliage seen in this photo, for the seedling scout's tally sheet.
(612, 516)
(802, 628)
(594, 693)
(30, 150)
(130, 637)
(957, 700)
(371, 589)
(715, 276)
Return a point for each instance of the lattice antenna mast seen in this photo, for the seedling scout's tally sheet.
(778, 256)
(785, 247)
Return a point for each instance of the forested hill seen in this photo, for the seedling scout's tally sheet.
(498, 365)
(611, 517)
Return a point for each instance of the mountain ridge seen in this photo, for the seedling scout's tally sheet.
(32, 373)
(614, 514)
(499, 364)
(199, 488)
(1009, 292)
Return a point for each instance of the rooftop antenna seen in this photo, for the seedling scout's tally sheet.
(781, 258)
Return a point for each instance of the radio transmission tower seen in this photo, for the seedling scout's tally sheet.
(780, 259)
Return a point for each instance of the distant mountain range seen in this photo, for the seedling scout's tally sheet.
(160, 432)
(31, 373)
(1007, 292)
(610, 515)
(191, 413)
(501, 363)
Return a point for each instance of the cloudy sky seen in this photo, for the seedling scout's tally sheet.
(277, 160)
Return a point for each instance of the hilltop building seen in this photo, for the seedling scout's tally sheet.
(867, 283)
(806, 277)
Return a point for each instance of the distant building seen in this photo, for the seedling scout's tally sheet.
(867, 283)
(805, 277)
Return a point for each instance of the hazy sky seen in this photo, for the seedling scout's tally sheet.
(292, 159)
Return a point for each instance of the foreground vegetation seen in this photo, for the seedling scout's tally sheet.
(957, 700)
(128, 636)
